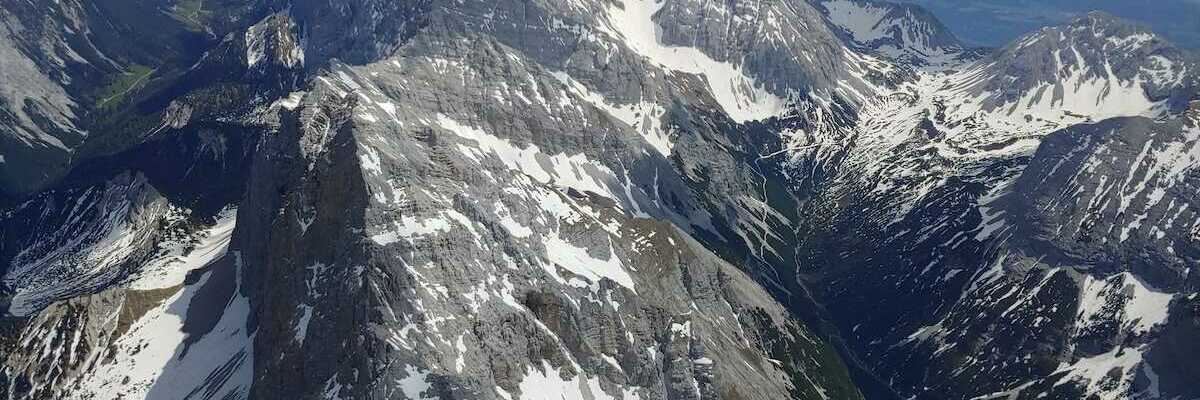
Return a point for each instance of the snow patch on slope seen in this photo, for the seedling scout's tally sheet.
(177, 258)
(1108, 376)
(644, 117)
(547, 383)
(106, 228)
(157, 359)
(943, 120)
(742, 98)
(895, 31)
(1140, 308)
(409, 227)
(862, 21)
(575, 259)
(574, 171)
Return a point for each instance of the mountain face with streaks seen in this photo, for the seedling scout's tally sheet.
(591, 199)
(75, 69)
(1028, 216)
(905, 33)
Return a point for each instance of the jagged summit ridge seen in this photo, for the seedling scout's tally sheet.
(900, 31)
(1111, 56)
(619, 199)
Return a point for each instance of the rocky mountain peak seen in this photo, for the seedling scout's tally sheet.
(1100, 34)
(607, 199)
(784, 44)
(1097, 47)
(357, 31)
(1101, 24)
(903, 32)
(1096, 66)
(274, 41)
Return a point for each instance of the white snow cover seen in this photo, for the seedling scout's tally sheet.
(409, 227)
(87, 250)
(868, 23)
(547, 383)
(1093, 372)
(741, 96)
(1142, 308)
(862, 21)
(577, 260)
(306, 314)
(149, 360)
(971, 132)
(291, 101)
(415, 384)
(644, 117)
(176, 259)
(1097, 97)
(891, 116)
(1160, 166)
(574, 171)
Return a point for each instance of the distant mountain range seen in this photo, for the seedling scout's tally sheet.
(995, 22)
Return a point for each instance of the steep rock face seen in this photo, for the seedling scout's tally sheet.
(1105, 61)
(1084, 276)
(90, 79)
(121, 232)
(105, 219)
(903, 32)
(784, 44)
(911, 140)
(1134, 183)
(450, 221)
(486, 252)
(64, 244)
(183, 339)
(357, 32)
(470, 199)
(37, 113)
(226, 90)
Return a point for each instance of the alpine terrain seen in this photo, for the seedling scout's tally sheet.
(591, 199)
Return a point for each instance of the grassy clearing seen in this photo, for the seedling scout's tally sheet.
(192, 13)
(119, 88)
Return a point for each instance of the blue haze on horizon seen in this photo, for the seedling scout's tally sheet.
(997, 22)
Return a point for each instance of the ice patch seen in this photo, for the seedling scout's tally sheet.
(306, 313)
(415, 384)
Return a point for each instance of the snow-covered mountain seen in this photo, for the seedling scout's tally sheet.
(1000, 203)
(905, 33)
(596, 199)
